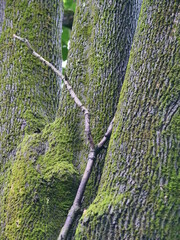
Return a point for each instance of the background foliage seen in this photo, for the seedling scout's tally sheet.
(69, 5)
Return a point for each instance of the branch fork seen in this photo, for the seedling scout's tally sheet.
(94, 150)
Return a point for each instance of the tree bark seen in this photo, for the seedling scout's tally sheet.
(28, 90)
(96, 71)
(2, 13)
(94, 150)
(29, 96)
(138, 196)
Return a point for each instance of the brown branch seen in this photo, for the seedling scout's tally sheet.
(93, 152)
(68, 86)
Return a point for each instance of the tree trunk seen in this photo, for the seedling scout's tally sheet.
(29, 94)
(2, 11)
(138, 196)
(96, 70)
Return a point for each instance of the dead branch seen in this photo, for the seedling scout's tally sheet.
(93, 150)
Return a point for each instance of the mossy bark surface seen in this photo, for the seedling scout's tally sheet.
(34, 182)
(2, 13)
(99, 50)
(42, 185)
(138, 196)
(96, 72)
(29, 96)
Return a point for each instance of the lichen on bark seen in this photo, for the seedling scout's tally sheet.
(2, 11)
(26, 85)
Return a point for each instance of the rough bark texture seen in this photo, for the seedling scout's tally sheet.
(2, 11)
(97, 70)
(28, 90)
(138, 196)
(34, 183)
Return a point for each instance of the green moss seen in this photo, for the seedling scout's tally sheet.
(34, 122)
(42, 185)
(29, 101)
(27, 85)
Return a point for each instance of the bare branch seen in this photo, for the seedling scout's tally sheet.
(106, 136)
(68, 86)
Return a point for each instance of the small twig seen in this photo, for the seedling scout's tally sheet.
(68, 86)
(106, 136)
(93, 152)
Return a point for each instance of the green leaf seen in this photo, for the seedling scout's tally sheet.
(65, 39)
(65, 35)
(69, 4)
(64, 52)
